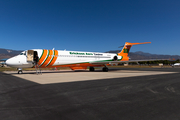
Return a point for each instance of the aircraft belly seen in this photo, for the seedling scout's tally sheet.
(26, 66)
(22, 66)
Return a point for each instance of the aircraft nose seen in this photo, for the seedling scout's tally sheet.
(17, 61)
(9, 61)
(12, 62)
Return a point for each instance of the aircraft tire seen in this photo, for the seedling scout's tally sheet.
(105, 69)
(91, 68)
(20, 72)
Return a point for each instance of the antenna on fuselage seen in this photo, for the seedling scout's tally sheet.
(53, 49)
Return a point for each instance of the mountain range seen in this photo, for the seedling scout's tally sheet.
(139, 55)
(7, 53)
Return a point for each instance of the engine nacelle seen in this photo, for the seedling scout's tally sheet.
(115, 58)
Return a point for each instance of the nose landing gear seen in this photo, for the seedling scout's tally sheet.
(20, 71)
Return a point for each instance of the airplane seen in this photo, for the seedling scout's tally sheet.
(76, 60)
(176, 65)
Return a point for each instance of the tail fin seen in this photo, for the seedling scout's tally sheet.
(124, 52)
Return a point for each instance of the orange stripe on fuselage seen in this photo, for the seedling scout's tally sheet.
(54, 59)
(48, 59)
(43, 57)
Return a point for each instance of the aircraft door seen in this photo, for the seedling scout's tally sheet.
(35, 54)
(30, 55)
(35, 59)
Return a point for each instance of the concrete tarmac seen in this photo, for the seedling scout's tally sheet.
(120, 94)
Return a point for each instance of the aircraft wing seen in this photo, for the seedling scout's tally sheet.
(116, 62)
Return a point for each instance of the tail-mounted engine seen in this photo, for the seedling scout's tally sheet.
(115, 58)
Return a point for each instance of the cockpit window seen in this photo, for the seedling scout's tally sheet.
(23, 53)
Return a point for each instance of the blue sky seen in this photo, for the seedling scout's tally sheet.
(90, 25)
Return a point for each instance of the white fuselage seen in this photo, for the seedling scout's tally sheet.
(53, 58)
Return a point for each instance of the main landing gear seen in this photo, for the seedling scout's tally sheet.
(20, 71)
(91, 68)
(104, 69)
